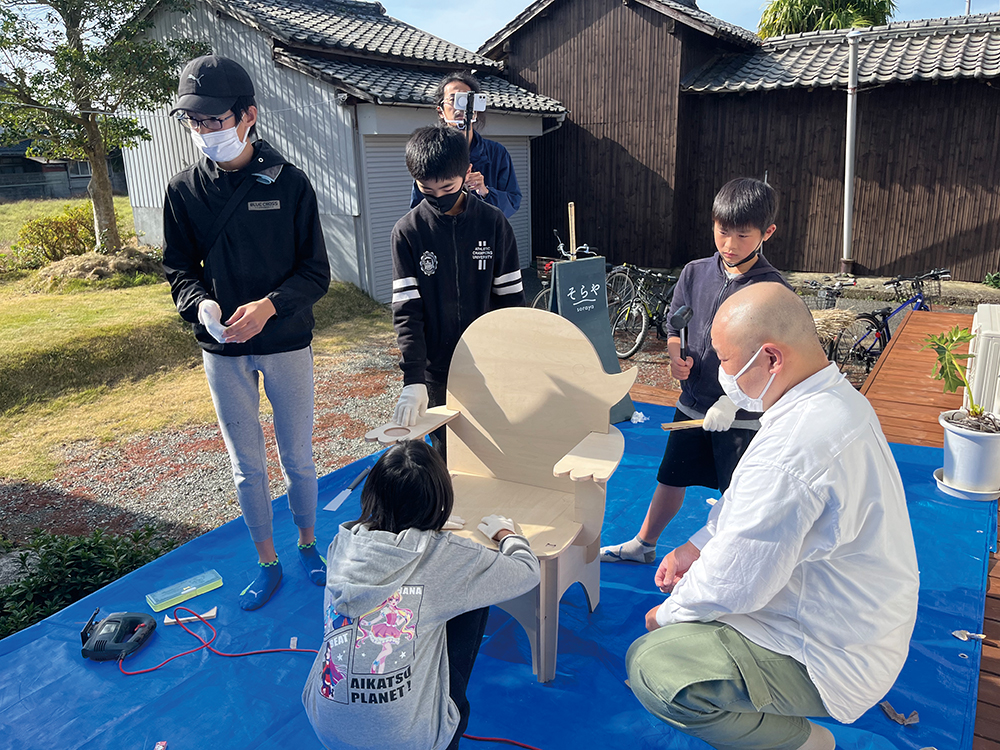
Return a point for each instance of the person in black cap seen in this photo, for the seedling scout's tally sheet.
(244, 254)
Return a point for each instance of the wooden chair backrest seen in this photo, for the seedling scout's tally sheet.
(530, 386)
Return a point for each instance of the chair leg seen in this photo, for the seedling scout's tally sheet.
(524, 609)
(548, 621)
(590, 578)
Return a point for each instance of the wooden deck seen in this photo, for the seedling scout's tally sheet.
(908, 400)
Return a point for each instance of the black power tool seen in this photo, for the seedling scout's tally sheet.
(116, 636)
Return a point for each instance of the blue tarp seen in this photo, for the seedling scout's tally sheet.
(50, 697)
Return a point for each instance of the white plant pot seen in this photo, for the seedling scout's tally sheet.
(971, 459)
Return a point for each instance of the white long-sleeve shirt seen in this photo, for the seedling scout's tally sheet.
(810, 553)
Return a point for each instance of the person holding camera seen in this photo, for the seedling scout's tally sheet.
(491, 175)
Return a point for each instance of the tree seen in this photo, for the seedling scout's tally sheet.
(795, 16)
(73, 72)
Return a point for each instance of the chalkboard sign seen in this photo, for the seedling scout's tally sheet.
(580, 296)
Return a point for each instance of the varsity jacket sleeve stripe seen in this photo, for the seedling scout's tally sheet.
(507, 291)
(310, 277)
(408, 311)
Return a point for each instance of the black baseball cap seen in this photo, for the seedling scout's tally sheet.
(211, 85)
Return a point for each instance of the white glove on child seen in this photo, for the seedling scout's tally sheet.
(210, 316)
(493, 525)
(721, 416)
(454, 523)
(411, 405)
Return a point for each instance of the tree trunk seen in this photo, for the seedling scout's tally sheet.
(105, 224)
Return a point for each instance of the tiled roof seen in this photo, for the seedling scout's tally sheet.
(685, 11)
(384, 84)
(351, 27)
(927, 50)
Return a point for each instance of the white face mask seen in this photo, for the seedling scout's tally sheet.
(219, 145)
(735, 393)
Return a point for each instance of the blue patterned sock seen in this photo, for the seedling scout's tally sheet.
(313, 562)
(263, 586)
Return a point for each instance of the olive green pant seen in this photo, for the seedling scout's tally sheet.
(710, 682)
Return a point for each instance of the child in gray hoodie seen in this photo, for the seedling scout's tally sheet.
(382, 676)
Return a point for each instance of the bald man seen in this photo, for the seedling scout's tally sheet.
(799, 595)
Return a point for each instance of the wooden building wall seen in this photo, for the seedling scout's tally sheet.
(616, 68)
(927, 189)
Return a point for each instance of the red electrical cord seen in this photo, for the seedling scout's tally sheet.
(498, 739)
(208, 644)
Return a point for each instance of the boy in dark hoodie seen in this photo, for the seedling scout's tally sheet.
(453, 259)
(243, 244)
(743, 220)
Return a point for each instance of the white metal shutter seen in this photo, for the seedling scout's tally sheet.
(387, 198)
(521, 221)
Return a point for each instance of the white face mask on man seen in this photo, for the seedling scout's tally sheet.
(736, 394)
(219, 145)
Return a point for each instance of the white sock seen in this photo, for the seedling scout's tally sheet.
(820, 738)
(634, 550)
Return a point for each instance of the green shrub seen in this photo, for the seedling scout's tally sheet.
(55, 237)
(61, 569)
(993, 280)
(52, 238)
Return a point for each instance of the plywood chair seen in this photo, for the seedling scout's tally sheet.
(529, 438)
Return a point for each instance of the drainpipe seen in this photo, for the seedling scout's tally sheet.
(847, 262)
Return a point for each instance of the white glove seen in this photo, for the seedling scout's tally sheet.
(411, 405)
(720, 417)
(493, 525)
(454, 523)
(210, 316)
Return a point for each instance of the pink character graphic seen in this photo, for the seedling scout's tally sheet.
(387, 625)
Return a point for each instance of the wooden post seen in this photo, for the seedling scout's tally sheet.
(572, 231)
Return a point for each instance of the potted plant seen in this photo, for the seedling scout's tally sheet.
(972, 435)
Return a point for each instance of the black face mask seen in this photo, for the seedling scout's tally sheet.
(444, 203)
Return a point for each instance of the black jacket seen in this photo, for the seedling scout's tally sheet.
(704, 286)
(272, 246)
(447, 271)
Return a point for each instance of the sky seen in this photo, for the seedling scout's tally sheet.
(469, 23)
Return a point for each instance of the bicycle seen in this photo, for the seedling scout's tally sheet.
(859, 346)
(543, 299)
(649, 306)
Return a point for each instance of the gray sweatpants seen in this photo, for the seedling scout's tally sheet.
(712, 683)
(288, 384)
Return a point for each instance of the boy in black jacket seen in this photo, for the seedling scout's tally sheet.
(453, 259)
(743, 219)
(243, 243)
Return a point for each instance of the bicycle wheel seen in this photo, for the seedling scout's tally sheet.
(621, 291)
(542, 299)
(629, 329)
(858, 347)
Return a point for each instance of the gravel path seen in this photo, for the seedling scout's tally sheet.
(180, 480)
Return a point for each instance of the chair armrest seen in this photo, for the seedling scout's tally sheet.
(392, 433)
(594, 458)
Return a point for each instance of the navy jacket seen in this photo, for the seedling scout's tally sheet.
(704, 286)
(493, 161)
(272, 246)
(447, 271)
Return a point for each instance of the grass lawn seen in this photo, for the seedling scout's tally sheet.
(13, 215)
(111, 363)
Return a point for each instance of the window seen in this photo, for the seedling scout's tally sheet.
(79, 169)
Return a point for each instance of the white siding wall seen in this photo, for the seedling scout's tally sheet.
(387, 198)
(298, 115)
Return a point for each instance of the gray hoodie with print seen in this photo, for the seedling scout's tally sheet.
(380, 679)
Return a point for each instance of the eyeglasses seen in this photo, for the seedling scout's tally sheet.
(208, 123)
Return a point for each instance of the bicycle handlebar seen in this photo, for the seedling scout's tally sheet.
(940, 274)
